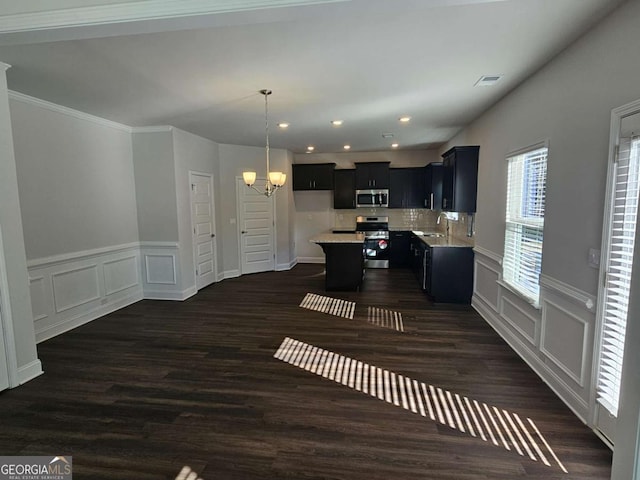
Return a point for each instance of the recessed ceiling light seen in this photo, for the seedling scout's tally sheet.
(387, 135)
(404, 119)
(310, 148)
(283, 125)
(488, 80)
(394, 145)
(347, 147)
(336, 123)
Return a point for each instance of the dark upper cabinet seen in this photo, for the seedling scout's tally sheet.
(406, 187)
(460, 179)
(372, 175)
(313, 176)
(433, 186)
(344, 189)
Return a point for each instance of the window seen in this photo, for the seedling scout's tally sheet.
(622, 218)
(526, 185)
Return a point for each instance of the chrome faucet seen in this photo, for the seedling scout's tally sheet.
(447, 219)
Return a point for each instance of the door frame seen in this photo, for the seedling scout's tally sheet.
(617, 114)
(213, 224)
(274, 232)
(6, 322)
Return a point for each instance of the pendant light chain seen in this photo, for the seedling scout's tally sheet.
(266, 128)
(275, 180)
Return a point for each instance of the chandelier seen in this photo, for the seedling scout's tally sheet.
(275, 180)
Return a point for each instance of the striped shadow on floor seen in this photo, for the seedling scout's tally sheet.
(332, 306)
(498, 426)
(385, 318)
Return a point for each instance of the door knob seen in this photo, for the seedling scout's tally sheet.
(213, 235)
(243, 231)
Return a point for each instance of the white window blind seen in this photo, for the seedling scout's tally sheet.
(526, 186)
(623, 219)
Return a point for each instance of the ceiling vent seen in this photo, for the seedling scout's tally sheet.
(488, 80)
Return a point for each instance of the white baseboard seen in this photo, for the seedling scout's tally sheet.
(87, 316)
(170, 295)
(281, 267)
(228, 274)
(29, 371)
(310, 260)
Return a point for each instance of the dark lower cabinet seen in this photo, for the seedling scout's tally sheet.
(399, 249)
(344, 266)
(448, 274)
(344, 189)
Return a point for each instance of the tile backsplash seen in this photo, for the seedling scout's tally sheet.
(405, 219)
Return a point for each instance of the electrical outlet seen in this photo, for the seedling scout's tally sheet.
(594, 258)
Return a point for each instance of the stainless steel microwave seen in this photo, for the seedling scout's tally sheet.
(372, 198)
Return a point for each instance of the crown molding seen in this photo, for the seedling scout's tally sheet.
(21, 97)
(152, 129)
(138, 11)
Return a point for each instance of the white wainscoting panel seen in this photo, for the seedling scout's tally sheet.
(565, 338)
(161, 272)
(121, 274)
(75, 287)
(556, 340)
(517, 316)
(38, 298)
(485, 283)
(72, 289)
(160, 268)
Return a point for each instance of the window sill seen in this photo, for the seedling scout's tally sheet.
(535, 304)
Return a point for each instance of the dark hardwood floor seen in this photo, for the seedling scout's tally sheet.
(158, 385)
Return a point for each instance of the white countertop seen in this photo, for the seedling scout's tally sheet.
(445, 241)
(329, 237)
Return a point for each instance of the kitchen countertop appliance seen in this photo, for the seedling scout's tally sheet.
(376, 240)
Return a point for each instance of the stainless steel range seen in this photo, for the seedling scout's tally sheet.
(376, 240)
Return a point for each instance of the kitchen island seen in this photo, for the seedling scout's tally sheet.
(344, 260)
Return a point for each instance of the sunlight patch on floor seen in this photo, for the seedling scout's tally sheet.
(491, 424)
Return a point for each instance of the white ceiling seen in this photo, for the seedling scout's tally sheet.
(366, 62)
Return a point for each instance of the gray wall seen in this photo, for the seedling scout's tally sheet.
(155, 184)
(197, 154)
(76, 182)
(568, 103)
(234, 159)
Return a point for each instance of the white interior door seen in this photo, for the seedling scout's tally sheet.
(257, 227)
(202, 222)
